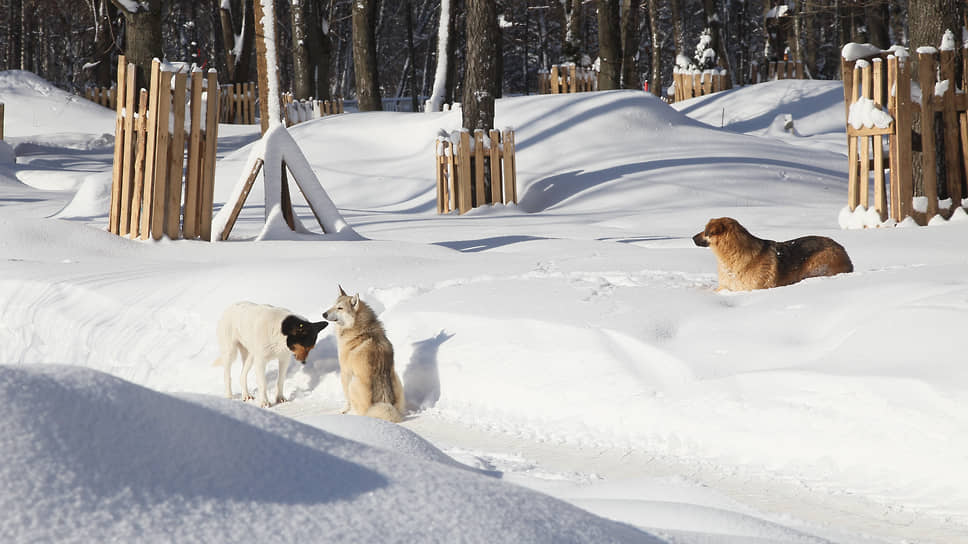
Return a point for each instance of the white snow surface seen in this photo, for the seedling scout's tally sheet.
(573, 344)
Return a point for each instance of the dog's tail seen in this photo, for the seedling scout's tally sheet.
(385, 411)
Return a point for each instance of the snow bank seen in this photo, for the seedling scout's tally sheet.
(89, 457)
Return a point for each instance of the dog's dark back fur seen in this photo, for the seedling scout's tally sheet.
(299, 331)
(810, 256)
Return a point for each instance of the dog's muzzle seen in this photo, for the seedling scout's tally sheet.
(700, 240)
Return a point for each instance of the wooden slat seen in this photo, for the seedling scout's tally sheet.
(234, 216)
(926, 77)
(553, 78)
(865, 144)
(439, 174)
(190, 226)
(880, 198)
(114, 221)
(510, 182)
(494, 152)
(176, 163)
(450, 199)
(952, 130)
(208, 169)
(144, 230)
(464, 173)
(159, 197)
(479, 197)
(902, 194)
(141, 142)
(127, 170)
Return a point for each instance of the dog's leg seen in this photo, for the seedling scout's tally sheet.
(283, 366)
(260, 376)
(361, 395)
(345, 375)
(246, 365)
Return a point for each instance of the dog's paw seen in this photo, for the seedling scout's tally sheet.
(345, 410)
(265, 404)
(247, 397)
(280, 399)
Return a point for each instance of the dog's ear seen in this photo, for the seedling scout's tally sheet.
(293, 325)
(342, 293)
(715, 227)
(355, 301)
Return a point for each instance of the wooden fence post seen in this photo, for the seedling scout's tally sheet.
(880, 199)
(555, 84)
(114, 221)
(190, 227)
(159, 197)
(464, 175)
(127, 153)
(176, 166)
(952, 131)
(510, 169)
(926, 77)
(902, 189)
(479, 197)
(138, 191)
(208, 172)
(495, 157)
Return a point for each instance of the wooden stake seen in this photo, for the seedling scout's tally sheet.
(176, 164)
(926, 71)
(224, 235)
(192, 183)
(880, 198)
(114, 221)
(463, 184)
(138, 206)
(495, 158)
(127, 154)
(510, 169)
(208, 168)
(159, 196)
(479, 197)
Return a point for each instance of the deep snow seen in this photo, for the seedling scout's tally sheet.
(572, 344)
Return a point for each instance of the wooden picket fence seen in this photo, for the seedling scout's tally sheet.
(892, 177)
(461, 168)
(769, 71)
(567, 78)
(237, 102)
(693, 83)
(297, 111)
(105, 96)
(150, 159)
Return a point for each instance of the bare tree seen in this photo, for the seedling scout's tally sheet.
(630, 44)
(609, 45)
(142, 34)
(656, 78)
(478, 101)
(302, 65)
(364, 55)
(572, 47)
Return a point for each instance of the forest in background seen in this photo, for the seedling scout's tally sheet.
(75, 45)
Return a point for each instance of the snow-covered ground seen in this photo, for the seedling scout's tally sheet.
(573, 344)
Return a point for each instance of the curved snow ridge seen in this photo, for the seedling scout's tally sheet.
(75, 323)
(89, 457)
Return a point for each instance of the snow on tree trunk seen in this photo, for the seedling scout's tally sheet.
(269, 108)
(437, 96)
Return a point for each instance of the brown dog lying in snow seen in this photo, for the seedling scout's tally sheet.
(747, 262)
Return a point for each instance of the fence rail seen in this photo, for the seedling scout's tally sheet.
(693, 83)
(105, 96)
(237, 102)
(151, 163)
(869, 88)
(783, 69)
(567, 78)
(475, 172)
(298, 111)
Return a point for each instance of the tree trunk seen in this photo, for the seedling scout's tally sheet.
(678, 35)
(630, 44)
(712, 22)
(142, 36)
(270, 110)
(877, 16)
(412, 75)
(302, 66)
(103, 46)
(228, 37)
(655, 84)
(364, 55)
(609, 45)
(243, 64)
(320, 51)
(572, 47)
(478, 101)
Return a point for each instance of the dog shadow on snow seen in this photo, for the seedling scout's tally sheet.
(421, 379)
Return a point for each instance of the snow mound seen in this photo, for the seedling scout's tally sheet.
(90, 457)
